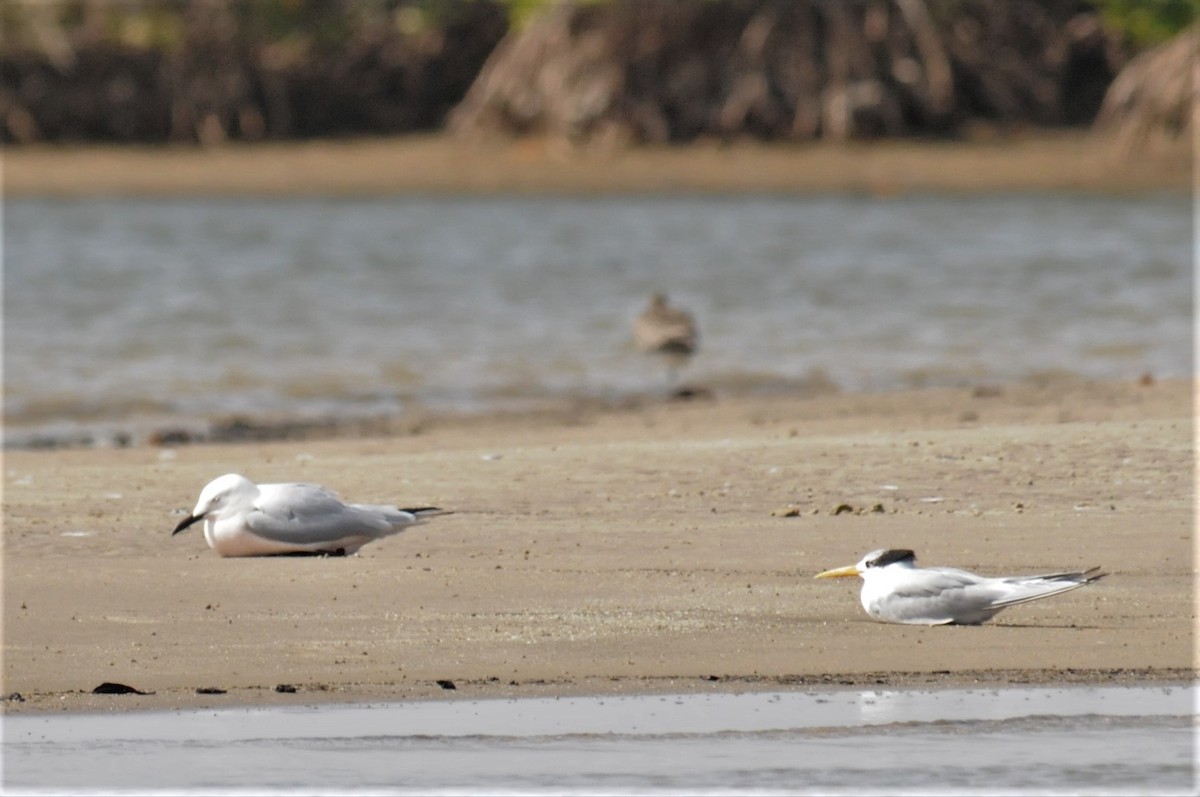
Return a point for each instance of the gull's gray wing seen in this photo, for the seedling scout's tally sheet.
(308, 513)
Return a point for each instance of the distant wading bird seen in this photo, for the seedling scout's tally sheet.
(242, 518)
(667, 331)
(895, 590)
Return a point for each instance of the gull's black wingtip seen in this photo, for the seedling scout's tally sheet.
(426, 511)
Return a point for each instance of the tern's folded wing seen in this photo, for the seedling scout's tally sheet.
(1021, 589)
(937, 596)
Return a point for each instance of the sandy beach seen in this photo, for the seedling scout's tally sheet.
(661, 547)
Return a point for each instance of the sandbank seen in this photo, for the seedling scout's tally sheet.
(661, 547)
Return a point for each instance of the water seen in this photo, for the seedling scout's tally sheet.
(126, 314)
(1080, 740)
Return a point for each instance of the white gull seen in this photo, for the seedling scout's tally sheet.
(242, 518)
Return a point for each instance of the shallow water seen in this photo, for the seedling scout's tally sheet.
(1081, 740)
(125, 314)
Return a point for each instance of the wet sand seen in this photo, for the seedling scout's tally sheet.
(661, 547)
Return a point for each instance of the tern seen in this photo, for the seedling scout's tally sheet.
(895, 590)
(242, 518)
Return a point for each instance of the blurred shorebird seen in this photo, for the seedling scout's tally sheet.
(667, 331)
(895, 590)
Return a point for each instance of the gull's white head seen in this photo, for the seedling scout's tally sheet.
(875, 560)
(219, 496)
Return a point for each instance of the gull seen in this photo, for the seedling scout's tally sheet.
(242, 518)
(666, 330)
(895, 590)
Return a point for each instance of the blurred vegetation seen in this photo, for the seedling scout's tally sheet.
(160, 23)
(1149, 22)
(214, 70)
(638, 71)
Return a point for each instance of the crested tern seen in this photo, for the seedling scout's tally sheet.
(895, 590)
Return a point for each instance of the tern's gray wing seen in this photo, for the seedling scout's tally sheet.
(1021, 589)
(307, 513)
(940, 595)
